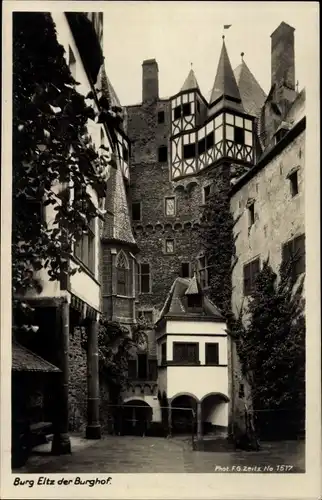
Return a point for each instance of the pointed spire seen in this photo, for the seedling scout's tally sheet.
(251, 93)
(225, 83)
(190, 82)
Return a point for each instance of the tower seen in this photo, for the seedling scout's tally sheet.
(225, 134)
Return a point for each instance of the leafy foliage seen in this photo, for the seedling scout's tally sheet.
(51, 148)
(271, 347)
(116, 348)
(217, 239)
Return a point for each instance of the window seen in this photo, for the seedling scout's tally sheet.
(206, 193)
(144, 278)
(202, 146)
(293, 252)
(251, 271)
(185, 270)
(132, 369)
(142, 367)
(186, 109)
(170, 207)
(72, 62)
(212, 353)
(161, 117)
(251, 213)
(186, 352)
(294, 186)
(163, 154)
(122, 272)
(169, 246)
(239, 135)
(241, 392)
(85, 247)
(189, 151)
(210, 140)
(177, 112)
(136, 211)
(205, 271)
(198, 107)
(163, 353)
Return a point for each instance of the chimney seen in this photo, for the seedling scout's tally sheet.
(150, 80)
(282, 57)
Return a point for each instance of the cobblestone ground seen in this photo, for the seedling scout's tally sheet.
(127, 454)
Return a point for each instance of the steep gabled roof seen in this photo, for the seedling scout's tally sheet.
(117, 224)
(225, 85)
(251, 93)
(190, 82)
(176, 305)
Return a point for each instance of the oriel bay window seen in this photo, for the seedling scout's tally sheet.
(122, 274)
(85, 247)
(186, 353)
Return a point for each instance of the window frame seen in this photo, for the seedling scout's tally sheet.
(294, 176)
(140, 205)
(211, 363)
(166, 199)
(126, 273)
(163, 148)
(86, 245)
(140, 264)
(248, 277)
(300, 260)
(161, 113)
(167, 240)
(175, 357)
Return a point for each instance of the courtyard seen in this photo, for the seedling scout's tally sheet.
(133, 454)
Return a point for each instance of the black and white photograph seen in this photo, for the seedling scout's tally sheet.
(159, 246)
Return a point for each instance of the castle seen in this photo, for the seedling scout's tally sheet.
(146, 260)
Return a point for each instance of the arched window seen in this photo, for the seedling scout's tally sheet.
(122, 273)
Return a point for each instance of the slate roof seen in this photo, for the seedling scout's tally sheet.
(108, 89)
(117, 224)
(190, 82)
(225, 84)
(251, 93)
(24, 360)
(176, 304)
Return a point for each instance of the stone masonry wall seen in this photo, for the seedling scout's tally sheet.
(77, 382)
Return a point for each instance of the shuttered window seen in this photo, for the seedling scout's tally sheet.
(293, 252)
(251, 271)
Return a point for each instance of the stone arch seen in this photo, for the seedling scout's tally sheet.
(214, 413)
(178, 226)
(159, 226)
(136, 416)
(183, 412)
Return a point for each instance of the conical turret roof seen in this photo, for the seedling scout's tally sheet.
(252, 94)
(225, 85)
(190, 82)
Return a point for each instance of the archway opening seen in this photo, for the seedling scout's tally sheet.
(214, 412)
(136, 418)
(183, 410)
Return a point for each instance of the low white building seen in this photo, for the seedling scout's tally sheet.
(192, 358)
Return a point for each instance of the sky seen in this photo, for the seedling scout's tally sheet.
(179, 33)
